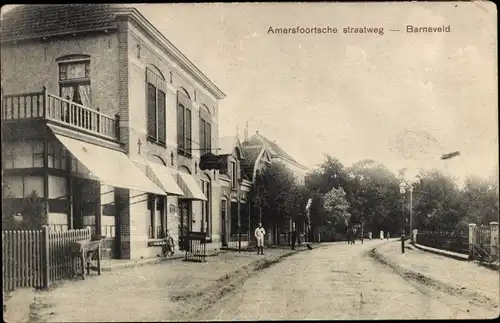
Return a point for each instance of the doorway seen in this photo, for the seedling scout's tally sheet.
(223, 237)
(185, 221)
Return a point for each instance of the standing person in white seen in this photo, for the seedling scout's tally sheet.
(259, 234)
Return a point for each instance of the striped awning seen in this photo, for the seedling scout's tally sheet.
(165, 179)
(190, 188)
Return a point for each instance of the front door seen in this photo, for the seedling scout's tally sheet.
(185, 219)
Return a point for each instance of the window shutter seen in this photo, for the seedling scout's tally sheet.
(151, 102)
(162, 132)
(180, 127)
(208, 138)
(202, 137)
(188, 131)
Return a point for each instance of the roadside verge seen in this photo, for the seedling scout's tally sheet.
(424, 268)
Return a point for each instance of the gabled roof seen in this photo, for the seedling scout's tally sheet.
(273, 147)
(28, 21)
(228, 144)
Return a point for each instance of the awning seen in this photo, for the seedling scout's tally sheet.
(191, 190)
(166, 180)
(110, 166)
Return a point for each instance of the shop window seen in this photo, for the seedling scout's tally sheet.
(20, 187)
(56, 156)
(58, 187)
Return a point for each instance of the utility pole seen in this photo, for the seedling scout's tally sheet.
(402, 190)
(411, 209)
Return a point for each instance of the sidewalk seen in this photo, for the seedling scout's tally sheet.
(165, 291)
(455, 276)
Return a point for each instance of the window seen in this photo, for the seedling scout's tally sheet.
(206, 212)
(7, 156)
(184, 130)
(58, 187)
(184, 139)
(23, 186)
(205, 137)
(74, 79)
(156, 207)
(234, 174)
(156, 106)
(22, 154)
(56, 156)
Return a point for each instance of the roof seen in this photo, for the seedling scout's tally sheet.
(27, 21)
(227, 145)
(273, 146)
(38, 21)
(251, 154)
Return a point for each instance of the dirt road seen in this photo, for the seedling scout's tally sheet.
(338, 282)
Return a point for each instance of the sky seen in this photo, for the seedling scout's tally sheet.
(400, 98)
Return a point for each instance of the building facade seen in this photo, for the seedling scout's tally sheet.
(260, 152)
(107, 121)
(236, 220)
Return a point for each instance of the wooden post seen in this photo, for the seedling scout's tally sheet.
(45, 257)
(98, 210)
(472, 239)
(69, 168)
(494, 240)
(45, 101)
(117, 126)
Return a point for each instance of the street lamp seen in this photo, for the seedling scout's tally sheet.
(402, 190)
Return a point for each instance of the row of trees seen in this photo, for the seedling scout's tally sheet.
(368, 192)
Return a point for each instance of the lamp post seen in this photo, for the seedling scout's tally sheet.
(402, 190)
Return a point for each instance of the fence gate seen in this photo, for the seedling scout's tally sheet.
(482, 248)
(196, 246)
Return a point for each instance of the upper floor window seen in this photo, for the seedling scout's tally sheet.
(234, 174)
(74, 79)
(184, 123)
(156, 106)
(205, 137)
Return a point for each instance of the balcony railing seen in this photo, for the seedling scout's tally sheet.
(43, 105)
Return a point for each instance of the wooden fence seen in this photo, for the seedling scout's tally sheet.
(35, 258)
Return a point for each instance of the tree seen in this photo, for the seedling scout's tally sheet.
(279, 196)
(32, 211)
(330, 174)
(437, 203)
(336, 209)
(479, 201)
(373, 194)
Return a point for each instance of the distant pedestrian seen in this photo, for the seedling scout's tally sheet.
(294, 237)
(388, 236)
(259, 233)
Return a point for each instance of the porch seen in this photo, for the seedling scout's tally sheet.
(46, 106)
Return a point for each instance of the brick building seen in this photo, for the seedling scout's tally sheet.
(107, 121)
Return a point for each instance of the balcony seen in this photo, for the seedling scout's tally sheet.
(45, 106)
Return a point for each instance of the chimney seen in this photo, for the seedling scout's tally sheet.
(246, 132)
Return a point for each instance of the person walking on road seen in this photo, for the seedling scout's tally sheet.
(259, 233)
(294, 236)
